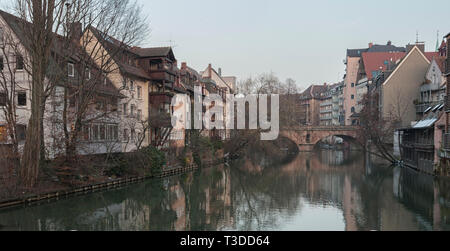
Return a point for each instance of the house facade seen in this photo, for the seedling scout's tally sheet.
(82, 93)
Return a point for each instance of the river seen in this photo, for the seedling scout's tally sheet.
(325, 190)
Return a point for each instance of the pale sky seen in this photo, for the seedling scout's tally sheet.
(299, 39)
(303, 40)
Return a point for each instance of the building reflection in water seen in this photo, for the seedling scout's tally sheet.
(326, 190)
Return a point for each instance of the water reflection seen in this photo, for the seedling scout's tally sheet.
(327, 190)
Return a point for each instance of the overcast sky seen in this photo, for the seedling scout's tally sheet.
(303, 40)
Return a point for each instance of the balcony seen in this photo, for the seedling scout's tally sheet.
(421, 108)
(160, 119)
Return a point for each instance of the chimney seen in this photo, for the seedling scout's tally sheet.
(183, 65)
(420, 46)
(370, 45)
(76, 31)
(220, 72)
(209, 70)
(389, 42)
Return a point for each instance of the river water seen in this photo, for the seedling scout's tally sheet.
(325, 190)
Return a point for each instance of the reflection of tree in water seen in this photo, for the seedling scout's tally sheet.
(254, 195)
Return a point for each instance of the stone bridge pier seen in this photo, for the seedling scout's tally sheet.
(307, 138)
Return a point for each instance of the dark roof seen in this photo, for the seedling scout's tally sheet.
(380, 61)
(54, 69)
(111, 44)
(154, 52)
(354, 53)
(375, 48)
(134, 71)
(386, 48)
(447, 35)
(314, 91)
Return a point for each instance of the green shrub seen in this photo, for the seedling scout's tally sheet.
(154, 159)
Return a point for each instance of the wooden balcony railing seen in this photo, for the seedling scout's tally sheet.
(421, 108)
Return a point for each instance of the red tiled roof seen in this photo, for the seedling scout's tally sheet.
(440, 61)
(374, 60)
(431, 55)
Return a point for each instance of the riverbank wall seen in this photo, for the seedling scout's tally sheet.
(47, 197)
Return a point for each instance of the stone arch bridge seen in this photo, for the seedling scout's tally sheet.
(308, 137)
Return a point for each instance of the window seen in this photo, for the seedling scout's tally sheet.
(132, 85)
(132, 109)
(21, 131)
(95, 132)
(112, 133)
(353, 84)
(22, 99)
(133, 134)
(102, 132)
(116, 132)
(1, 63)
(19, 62)
(125, 135)
(353, 96)
(139, 114)
(87, 73)
(125, 109)
(2, 99)
(353, 110)
(139, 92)
(71, 70)
(85, 133)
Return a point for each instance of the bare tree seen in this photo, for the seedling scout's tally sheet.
(11, 84)
(375, 129)
(48, 27)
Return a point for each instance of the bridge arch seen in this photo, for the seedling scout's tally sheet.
(307, 138)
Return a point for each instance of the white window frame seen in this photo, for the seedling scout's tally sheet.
(88, 73)
(71, 67)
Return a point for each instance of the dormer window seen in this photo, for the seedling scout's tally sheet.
(71, 70)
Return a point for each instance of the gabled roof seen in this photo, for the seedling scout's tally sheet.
(154, 52)
(379, 61)
(415, 48)
(314, 91)
(111, 44)
(54, 69)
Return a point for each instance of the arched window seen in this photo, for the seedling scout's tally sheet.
(353, 109)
